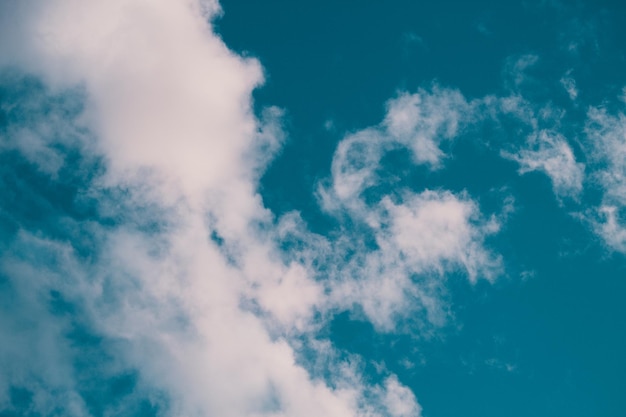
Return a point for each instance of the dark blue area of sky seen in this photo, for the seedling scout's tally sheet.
(341, 61)
(562, 329)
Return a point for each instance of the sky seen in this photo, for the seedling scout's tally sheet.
(304, 209)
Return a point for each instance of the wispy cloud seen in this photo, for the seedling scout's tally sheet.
(418, 122)
(550, 153)
(407, 242)
(569, 84)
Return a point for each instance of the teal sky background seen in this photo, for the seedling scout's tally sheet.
(544, 338)
(549, 338)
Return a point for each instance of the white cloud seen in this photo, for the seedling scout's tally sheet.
(35, 353)
(208, 324)
(399, 400)
(550, 153)
(50, 119)
(569, 84)
(355, 163)
(421, 121)
(436, 228)
(401, 277)
(403, 247)
(606, 134)
(603, 148)
(611, 227)
(545, 148)
(517, 69)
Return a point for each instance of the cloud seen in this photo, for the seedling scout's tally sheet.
(399, 400)
(544, 148)
(183, 282)
(598, 185)
(606, 135)
(569, 84)
(38, 120)
(403, 244)
(550, 153)
(399, 278)
(421, 121)
(433, 228)
(606, 132)
(418, 122)
(516, 70)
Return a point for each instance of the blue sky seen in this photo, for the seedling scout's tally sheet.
(300, 209)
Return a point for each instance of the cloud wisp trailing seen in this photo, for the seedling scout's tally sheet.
(550, 153)
(606, 133)
(408, 241)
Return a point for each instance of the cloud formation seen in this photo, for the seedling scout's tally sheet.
(409, 241)
(606, 133)
(550, 153)
(183, 291)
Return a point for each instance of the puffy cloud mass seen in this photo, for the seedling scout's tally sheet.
(160, 286)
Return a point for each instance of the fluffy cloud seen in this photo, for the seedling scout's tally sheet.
(399, 276)
(422, 120)
(183, 283)
(418, 122)
(404, 243)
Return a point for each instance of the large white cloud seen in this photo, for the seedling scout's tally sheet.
(208, 322)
